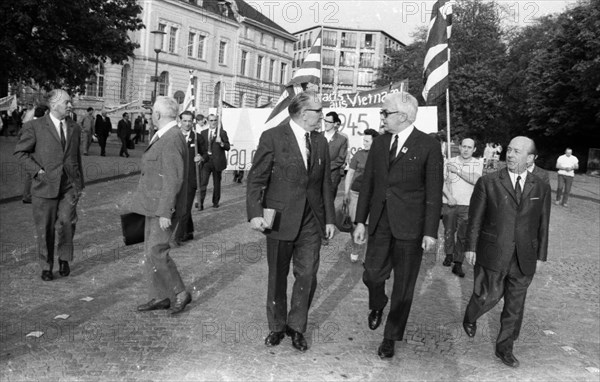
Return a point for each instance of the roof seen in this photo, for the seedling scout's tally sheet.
(252, 13)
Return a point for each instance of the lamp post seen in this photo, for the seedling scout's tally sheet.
(158, 41)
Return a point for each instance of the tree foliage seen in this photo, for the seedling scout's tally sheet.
(60, 43)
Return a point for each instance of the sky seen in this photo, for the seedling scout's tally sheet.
(398, 18)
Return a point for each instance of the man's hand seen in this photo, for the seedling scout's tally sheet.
(471, 257)
(198, 158)
(218, 139)
(453, 168)
(258, 223)
(428, 244)
(164, 223)
(329, 231)
(359, 234)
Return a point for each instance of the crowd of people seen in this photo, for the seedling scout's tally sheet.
(396, 189)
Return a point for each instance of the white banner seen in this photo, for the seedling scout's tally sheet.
(244, 127)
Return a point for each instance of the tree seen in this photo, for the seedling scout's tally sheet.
(60, 43)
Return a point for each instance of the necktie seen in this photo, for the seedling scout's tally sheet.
(63, 141)
(518, 190)
(394, 150)
(308, 149)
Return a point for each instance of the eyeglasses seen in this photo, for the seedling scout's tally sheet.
(212, 120)
(319, 111)
(386, 113)
(326, 121)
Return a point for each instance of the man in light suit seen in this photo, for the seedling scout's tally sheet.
(506, 236)
(338, 149)
(49, 149)
(212, 147)
(401, 194)
(161, 197)
(290, 174)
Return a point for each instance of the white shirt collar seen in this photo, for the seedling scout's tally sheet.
(402, 137)
(57, 122)
(299, 133)
(513, 178)
(165, 128)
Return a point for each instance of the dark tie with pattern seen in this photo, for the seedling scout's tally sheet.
(308, 149)
(518, 190)
(63, 141)
(394, 149)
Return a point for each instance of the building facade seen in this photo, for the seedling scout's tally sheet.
(349, 57)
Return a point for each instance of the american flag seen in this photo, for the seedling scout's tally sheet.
(189, 102)
(309, 72)
(435, 73)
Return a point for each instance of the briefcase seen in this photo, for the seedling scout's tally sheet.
(130, 145)
(133, 226)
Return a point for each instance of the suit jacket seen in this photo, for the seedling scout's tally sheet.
(162, 190)
(103, 126)
(278, 171)
(218, 153)
(497, 225)
(541, 173)
(338, 149)
(124, 129)
(39, 148)
(410, 189)
(191, 149)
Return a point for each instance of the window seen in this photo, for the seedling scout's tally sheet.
(243, 63)
(328, 76)
(368, 42)
(285, 46)
(191, 41)
(328, 57)
(348, 40)
(172, 39)
(345, 77)
(163, 84)
(222, 52)
(283, 74)
(274, 43)
(259, 64)
(309, 42)
(366, 60)
(365, 79)
(95, 85)
(329, 38)
(162, 28)
(242, 95)
(257, 101)
(271, 70)
(262, 38)
(201, 53)
(124, 83)
(347, 58)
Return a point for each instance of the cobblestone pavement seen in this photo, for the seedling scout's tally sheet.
(220, 335)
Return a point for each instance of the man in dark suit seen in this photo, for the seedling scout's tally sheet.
(185, 225)
(212, 148)
(161, 198)
(401, 193)
(103, 128)
(506, 236)
(124, 132)
(338, 149)
(49, 149)
(290, 174)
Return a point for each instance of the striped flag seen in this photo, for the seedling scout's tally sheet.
(435, 68)
(309, 72)
(189, 102)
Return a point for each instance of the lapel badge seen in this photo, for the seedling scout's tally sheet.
(404, 150)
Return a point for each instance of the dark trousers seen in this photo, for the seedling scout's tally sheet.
(385, 253)
(186, 224)
(123, 150)
(455, 219)
(488, 288)
(27, 187)
(102, 144)
(304, 252)
(336, 178)
(207, 169)
(563, 189)
(55, 217)
(164, 280)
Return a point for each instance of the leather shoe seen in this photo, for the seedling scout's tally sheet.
(181, 301)
(375, 319)
(47, 276)
(508, 358)
(298, 340)
(386, 349)
(155, 304)
(470, 329)
(188, 237)
(274, 338)
(447, 261)
(457, 270)
(63, 269)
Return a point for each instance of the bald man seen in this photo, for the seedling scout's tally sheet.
(507, 235)
(49, 149)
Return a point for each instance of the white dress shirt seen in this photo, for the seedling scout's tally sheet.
(299, 133)
(402, 137)
(513, 178)
(57, 122)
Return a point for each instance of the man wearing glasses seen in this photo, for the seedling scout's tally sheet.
(212, 144)
(290, 175)
(338, 149)
(401, 194)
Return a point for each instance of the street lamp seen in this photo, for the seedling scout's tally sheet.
(158, 41)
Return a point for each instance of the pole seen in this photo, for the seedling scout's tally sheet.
(448, 122)
(154, 94)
